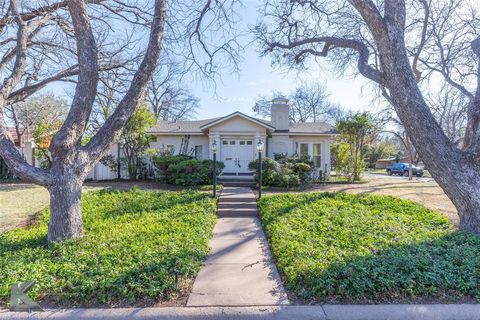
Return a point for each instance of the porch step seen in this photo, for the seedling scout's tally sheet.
(235, 213)
(236, 200)
(237, 204)
(237, 184)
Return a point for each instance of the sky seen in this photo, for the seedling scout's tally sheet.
(238, 92)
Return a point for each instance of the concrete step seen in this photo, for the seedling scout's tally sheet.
(237, 200)
(237, 204)
(237, 184)
(226, 213)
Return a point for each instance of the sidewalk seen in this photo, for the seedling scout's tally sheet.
(239, 270)
(320, 312)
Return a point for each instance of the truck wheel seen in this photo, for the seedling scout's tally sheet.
(389, 172)
(405, 173)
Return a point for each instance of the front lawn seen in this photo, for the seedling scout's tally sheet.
(135, 242)
(338, 247)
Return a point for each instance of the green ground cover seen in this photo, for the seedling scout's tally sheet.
(135, 242)
(340, 247)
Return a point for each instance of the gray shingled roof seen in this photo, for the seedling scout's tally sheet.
(180, 126)
(192, 127)
(312, 127)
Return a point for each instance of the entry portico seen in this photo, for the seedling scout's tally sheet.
(236, 134)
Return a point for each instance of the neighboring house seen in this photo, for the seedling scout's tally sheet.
(25, 146)
(383, 163)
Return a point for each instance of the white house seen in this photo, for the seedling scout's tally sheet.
(237, 135)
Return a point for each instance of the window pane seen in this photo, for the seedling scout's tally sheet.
(199, 152)
(303, 148)
(317, 159)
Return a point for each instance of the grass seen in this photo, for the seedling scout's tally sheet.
(135, 241)
(339, 247)
(18, 201)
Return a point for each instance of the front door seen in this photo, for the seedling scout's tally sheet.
(236, 155)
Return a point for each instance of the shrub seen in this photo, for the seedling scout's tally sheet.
(287, 173)
(285, 178)
(269, 168)
(184, 170)
(164, 161)
(357, 248)
(134, 243)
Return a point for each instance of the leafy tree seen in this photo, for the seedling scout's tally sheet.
(135, 140)
(42, 136)
(354, 131)
(378, 150)
(340, 157)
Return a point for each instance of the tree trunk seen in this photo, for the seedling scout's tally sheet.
(462, 186)
(410, 171)
(66, 220)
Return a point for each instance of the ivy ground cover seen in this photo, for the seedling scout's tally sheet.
(140, 247)
(338, 247)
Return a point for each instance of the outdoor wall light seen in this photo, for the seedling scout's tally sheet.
(260, 145)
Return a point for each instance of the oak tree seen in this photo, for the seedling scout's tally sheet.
(403, 47)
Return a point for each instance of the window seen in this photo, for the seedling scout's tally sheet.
(242, 143)
(317, 151)
(199, 152)
(170, 148)
(224, 142)
(304, 149)
(249, 142)
(232, 142)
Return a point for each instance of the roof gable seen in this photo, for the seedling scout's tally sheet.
(237, 114)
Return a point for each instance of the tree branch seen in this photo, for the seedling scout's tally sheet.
(330, 43)
(112, 128)
(72, 129)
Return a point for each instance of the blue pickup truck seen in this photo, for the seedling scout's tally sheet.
(402, 170)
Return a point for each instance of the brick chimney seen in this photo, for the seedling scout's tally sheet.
(279, 113)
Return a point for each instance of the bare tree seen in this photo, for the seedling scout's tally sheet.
(27, 115)
(449, 107)
(71, 161)
(168, 96)
(309, 102)
(369, 35)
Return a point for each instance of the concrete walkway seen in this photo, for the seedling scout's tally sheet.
(239, 270)
(317, 312)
